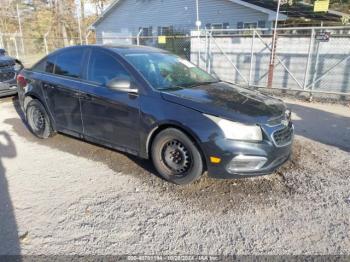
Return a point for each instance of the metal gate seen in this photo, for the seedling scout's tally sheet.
(305, 59)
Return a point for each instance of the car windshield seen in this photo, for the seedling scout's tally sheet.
(165, 71)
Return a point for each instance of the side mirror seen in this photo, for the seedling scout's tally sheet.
(123, 85)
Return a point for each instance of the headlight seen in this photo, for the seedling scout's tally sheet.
(237, 131)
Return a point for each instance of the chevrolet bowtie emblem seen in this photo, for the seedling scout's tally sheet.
(285, 122)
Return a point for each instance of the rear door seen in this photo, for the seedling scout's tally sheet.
(61, 89)
(109, 116)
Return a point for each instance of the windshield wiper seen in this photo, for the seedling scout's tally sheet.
(170, 88)
(183, 86)
(203, 83)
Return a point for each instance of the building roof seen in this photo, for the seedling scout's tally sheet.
(248, 4)
(300, 10)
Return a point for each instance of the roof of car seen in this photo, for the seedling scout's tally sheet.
(133, 49)
(121, 49)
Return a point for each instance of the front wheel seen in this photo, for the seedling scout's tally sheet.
(176, 157)
(38, 120)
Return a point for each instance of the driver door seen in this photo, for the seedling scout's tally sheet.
(110, 117)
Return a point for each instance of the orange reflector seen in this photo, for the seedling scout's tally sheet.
(215, 160)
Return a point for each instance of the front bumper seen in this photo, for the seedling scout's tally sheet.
(7, 90)
(228, 150)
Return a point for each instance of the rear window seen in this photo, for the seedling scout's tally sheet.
(68, 63)
(46, 65)
(40, 67)
(50, 64)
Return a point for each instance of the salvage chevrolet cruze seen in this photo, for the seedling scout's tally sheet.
(156, 105)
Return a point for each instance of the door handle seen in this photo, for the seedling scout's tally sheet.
(49, 86)
(86, 96)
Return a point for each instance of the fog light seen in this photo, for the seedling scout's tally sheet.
(215, 160)
(243, 163)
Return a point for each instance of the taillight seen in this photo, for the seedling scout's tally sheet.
(21, 81)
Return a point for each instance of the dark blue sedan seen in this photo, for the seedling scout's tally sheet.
(156, 105)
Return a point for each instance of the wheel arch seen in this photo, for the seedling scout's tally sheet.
(32, 96)
(29, 97)
(159, 128)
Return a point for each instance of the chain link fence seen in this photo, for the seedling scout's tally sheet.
(31, 50)
(305, 59)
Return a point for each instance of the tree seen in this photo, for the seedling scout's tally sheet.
(99, 5)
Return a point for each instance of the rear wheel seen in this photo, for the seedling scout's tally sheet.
(176, 157)
(38, 120)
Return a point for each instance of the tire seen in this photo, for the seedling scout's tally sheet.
(176, 158)
(38, 120)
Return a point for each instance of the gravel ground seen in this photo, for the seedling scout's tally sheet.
(65, 196)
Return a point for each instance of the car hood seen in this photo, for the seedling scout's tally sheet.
(6, 61)
(228, 101)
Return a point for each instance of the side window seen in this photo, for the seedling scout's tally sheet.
(68, 63)
(103, 67)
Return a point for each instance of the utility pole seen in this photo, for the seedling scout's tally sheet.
(79, 26)
(198, 24)
(80, 13)
(273, 50)
(82, 18)
(20, 28)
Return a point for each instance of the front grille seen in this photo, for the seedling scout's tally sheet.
(7, 76)
(7, 65)
(284, 136)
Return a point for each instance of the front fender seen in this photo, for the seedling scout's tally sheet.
(157, 115)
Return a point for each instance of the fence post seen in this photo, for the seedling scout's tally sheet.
(251, 59)
(199, 47)
(87, 37)
(16, 47)
(206, 50)
(272, 60)
(20, 29)
(306, 77)
(2, 41)
(45, 44)
(138, 36)
(209, 53)
(316, 65)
